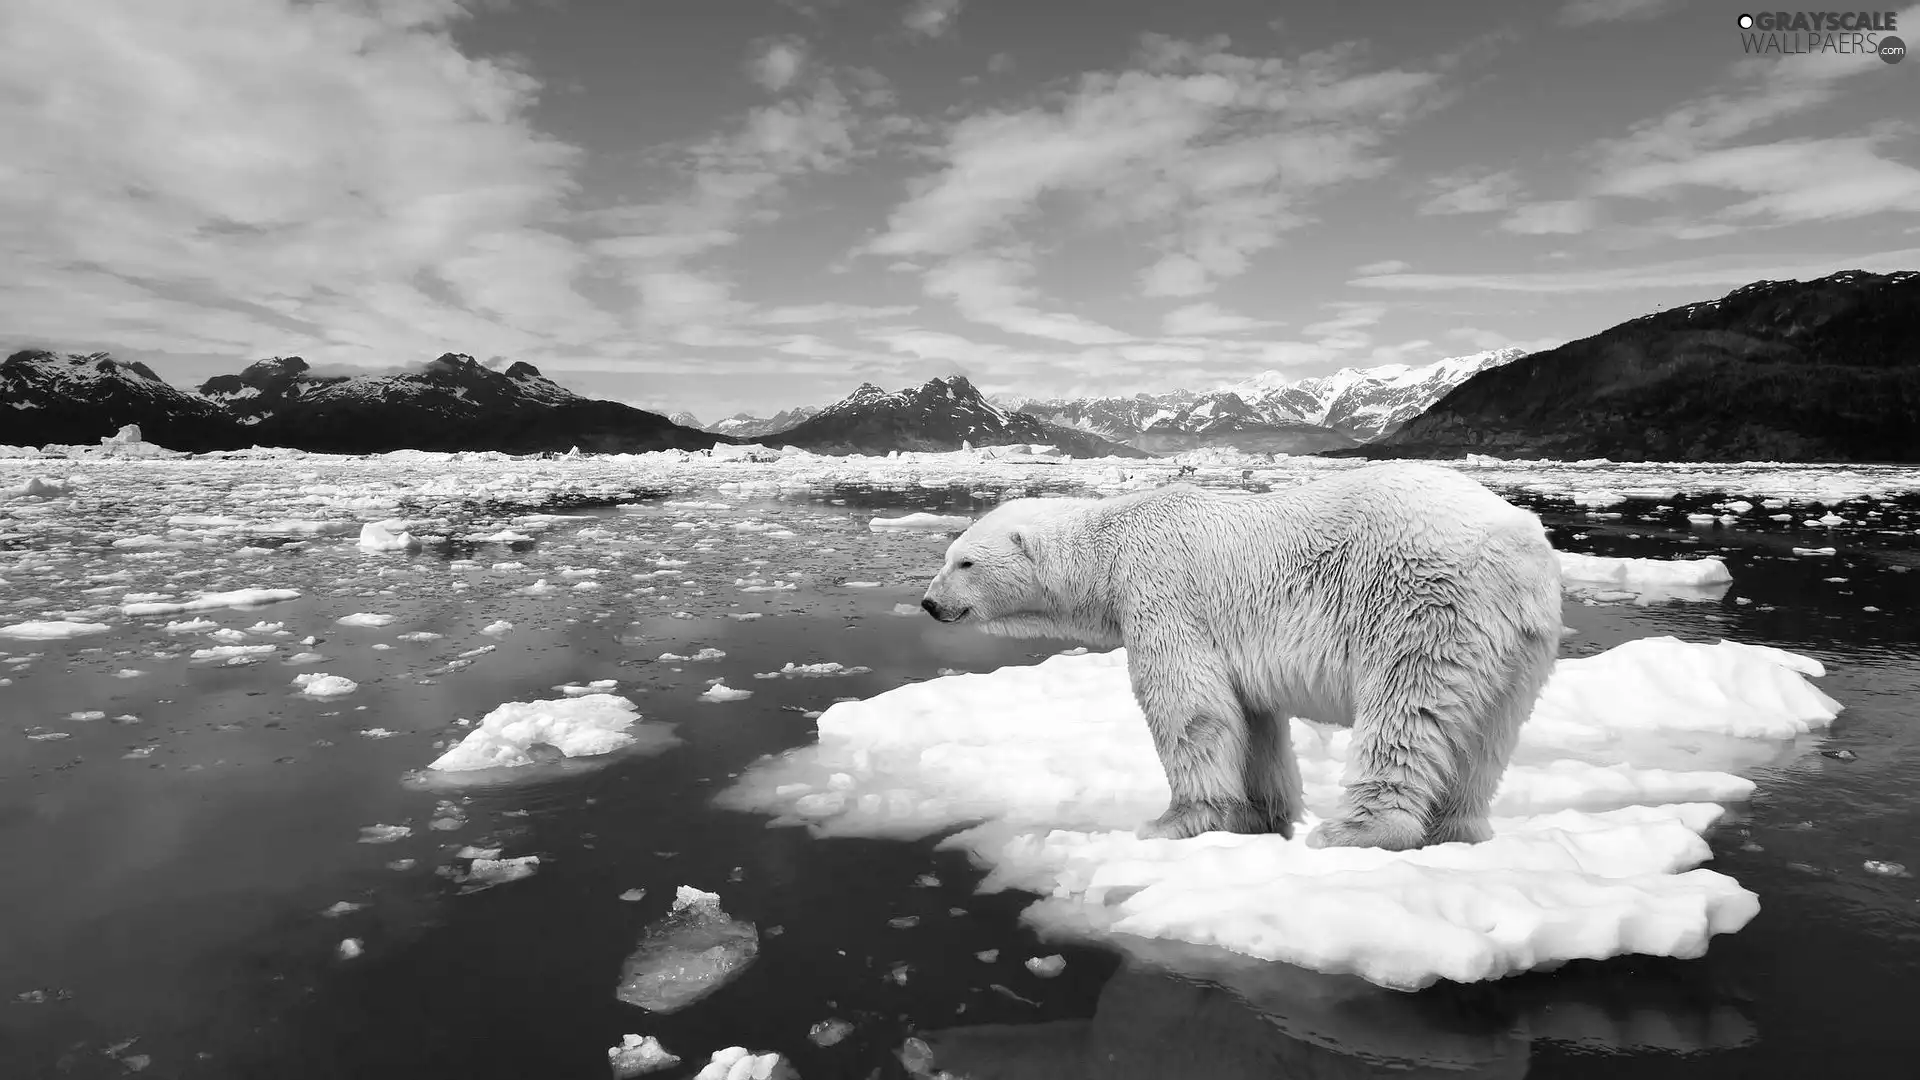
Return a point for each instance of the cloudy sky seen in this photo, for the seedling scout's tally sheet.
(719, 205)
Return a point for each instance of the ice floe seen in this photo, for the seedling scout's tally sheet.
(1598, 826)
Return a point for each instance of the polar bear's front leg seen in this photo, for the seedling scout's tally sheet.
(1200, 733)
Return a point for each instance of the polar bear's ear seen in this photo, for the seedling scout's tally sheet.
(1020, 542)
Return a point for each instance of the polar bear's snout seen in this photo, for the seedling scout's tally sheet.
(942, 612)
(939, 603)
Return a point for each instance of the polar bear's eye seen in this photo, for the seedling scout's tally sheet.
(964, 563)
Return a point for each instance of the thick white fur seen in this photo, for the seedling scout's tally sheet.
(1406, 600)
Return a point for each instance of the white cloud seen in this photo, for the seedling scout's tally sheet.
(1690, 273)
(778, 63)
(735, 181)
(802, 314)
(1217, 152)
(1588, 12)
(1346, 329)
(218, 176)
(1788, 182)
(1385, 266)
(990, 289)
(931, 18)
(1558, 217)
(1471, 192)
(1199, 320)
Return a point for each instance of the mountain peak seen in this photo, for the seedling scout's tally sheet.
(520, 369)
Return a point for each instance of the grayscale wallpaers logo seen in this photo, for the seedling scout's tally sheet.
(1792, 33)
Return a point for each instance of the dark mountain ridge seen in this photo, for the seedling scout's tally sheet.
(1822, 370)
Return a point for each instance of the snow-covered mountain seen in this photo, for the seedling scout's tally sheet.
(457, 403)
(1369, 402)
(686, 419)
(70, 398)
(942, 414)
(748, 426)
(264, 387)
(451, 403)
(1273, 412)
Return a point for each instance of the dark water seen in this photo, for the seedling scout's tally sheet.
(175, 898)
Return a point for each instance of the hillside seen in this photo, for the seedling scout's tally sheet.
(1824, 370)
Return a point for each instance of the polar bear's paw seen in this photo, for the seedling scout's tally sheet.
(1190, 819)
(1392, 830)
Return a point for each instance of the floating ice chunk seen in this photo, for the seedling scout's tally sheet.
(1645, 580)
(316, 685)
(1053, 768)
(351, 948)
(687, 954)
(739, 1063)
(365, 618)
(575, 727)
(189, 626)
(486, 873)
(52, 630)
(387, 536)
(1046, 967)
(237, 598)
(1813, 551)
(37, 487)
(921, 522)
(636, 1056)
(812, 671)
(829, 1032)
(497, 627)
(703, 654)
(504, 536)
(1598, 498)
(384, 834)
(863, 584)
(231, 652)
(720, 691)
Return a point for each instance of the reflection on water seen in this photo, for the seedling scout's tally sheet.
(168, 876)
(1180, 1012)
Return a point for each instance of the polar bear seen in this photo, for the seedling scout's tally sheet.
(1405, 600)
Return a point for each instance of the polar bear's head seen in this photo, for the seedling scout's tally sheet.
(1004, 573)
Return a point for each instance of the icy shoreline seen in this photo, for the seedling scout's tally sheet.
(1595, 485)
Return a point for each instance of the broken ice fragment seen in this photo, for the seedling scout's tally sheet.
(486, 873)
(739, 1063)
(829, 1032)
(686, 955)
(720, 691)
(383, 834)
(317, 685)
(636, 1056)
(1047, 966)
(351, 948)
(1885, 869)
